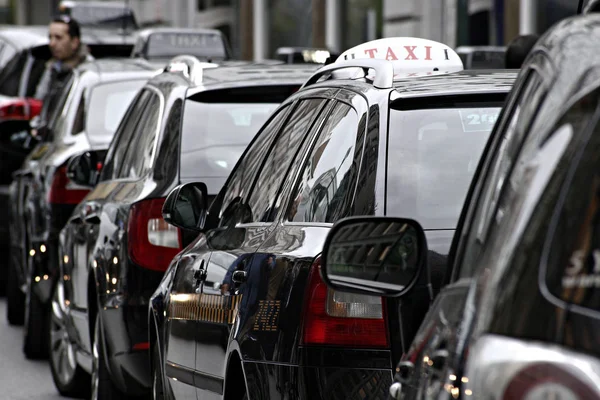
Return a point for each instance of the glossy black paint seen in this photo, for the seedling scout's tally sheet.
(236, 342)
(502, 249)
(102, 278)
(35, 222)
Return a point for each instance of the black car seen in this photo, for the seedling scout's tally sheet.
(518, 316)
(162, 44)
(42, 195)
(24, 52)
(243, 311)
(191, 122)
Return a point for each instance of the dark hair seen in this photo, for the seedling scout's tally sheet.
(73, 26)
(518, 49)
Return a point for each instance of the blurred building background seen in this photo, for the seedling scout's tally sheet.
(256, 28)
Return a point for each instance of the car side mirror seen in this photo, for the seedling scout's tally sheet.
(374, 255)
(84, 169)
(186, 206)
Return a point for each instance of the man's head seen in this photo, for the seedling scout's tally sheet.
(518, 49)
(65, 37)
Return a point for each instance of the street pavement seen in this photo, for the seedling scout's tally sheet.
(21, 379)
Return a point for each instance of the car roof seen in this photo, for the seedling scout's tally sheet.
(470, 49)
(118, 68)
(144, 33)
(254, 74)
(108, 3)
(467, 81)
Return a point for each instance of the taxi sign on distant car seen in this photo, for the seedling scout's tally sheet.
(408, 55)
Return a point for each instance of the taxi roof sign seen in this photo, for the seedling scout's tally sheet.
(408, 55)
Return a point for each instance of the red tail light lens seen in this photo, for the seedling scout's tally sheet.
(152, 242)
(62, 190)
(23, 109)
(342, 319)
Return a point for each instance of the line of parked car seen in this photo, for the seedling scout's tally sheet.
(388, 225)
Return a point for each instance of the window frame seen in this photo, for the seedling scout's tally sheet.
(471, 218)
(324, 108)
(120, 133)
(290, 185)
(130, 153)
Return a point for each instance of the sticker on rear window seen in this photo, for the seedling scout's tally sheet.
(478, 119)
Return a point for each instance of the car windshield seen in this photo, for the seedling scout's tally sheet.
(433, 155)
(171, 44)
(214, 135)
(108, 103)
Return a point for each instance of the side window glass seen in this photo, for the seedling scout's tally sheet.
(167, 160)
(79, 121)
(140, 154)
(280, 157)
(10, 76)
(515, 127)
(572, 270)
(245, 171)
(118, 147)
(328, 179)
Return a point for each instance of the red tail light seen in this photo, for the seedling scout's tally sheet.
(152, 242)
(342, 319)
(61, 190)
(23, 109)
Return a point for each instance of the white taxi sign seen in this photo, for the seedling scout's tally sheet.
(408, 55)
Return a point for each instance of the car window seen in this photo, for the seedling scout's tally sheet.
(6, 54)
(10, 75)
(107, 104)
(78, 122)
(513, 128)
(432, 156)
(328, 178)
(118, 147)
(571, 270)
(140, 153)
(280, 157)
(242, 177)
(167, 160)
(214, 135)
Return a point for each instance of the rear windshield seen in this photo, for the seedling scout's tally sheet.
(216, 134)
(433, 154)
(108, 103)
(171, 44)
(487, 60)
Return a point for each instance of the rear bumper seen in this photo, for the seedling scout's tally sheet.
(267, 381)
(126, 326)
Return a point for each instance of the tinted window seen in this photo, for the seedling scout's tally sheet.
(328, 178)
(140, 154)
(118, 147)
(432, 156)
(78, 122)
(216, 134)
(243, 176)
(171, 44)
(10, 75)
(281, 156)
(573, 259)
(108, 103)
(7, 53)
(167, 160)
(502, 158)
